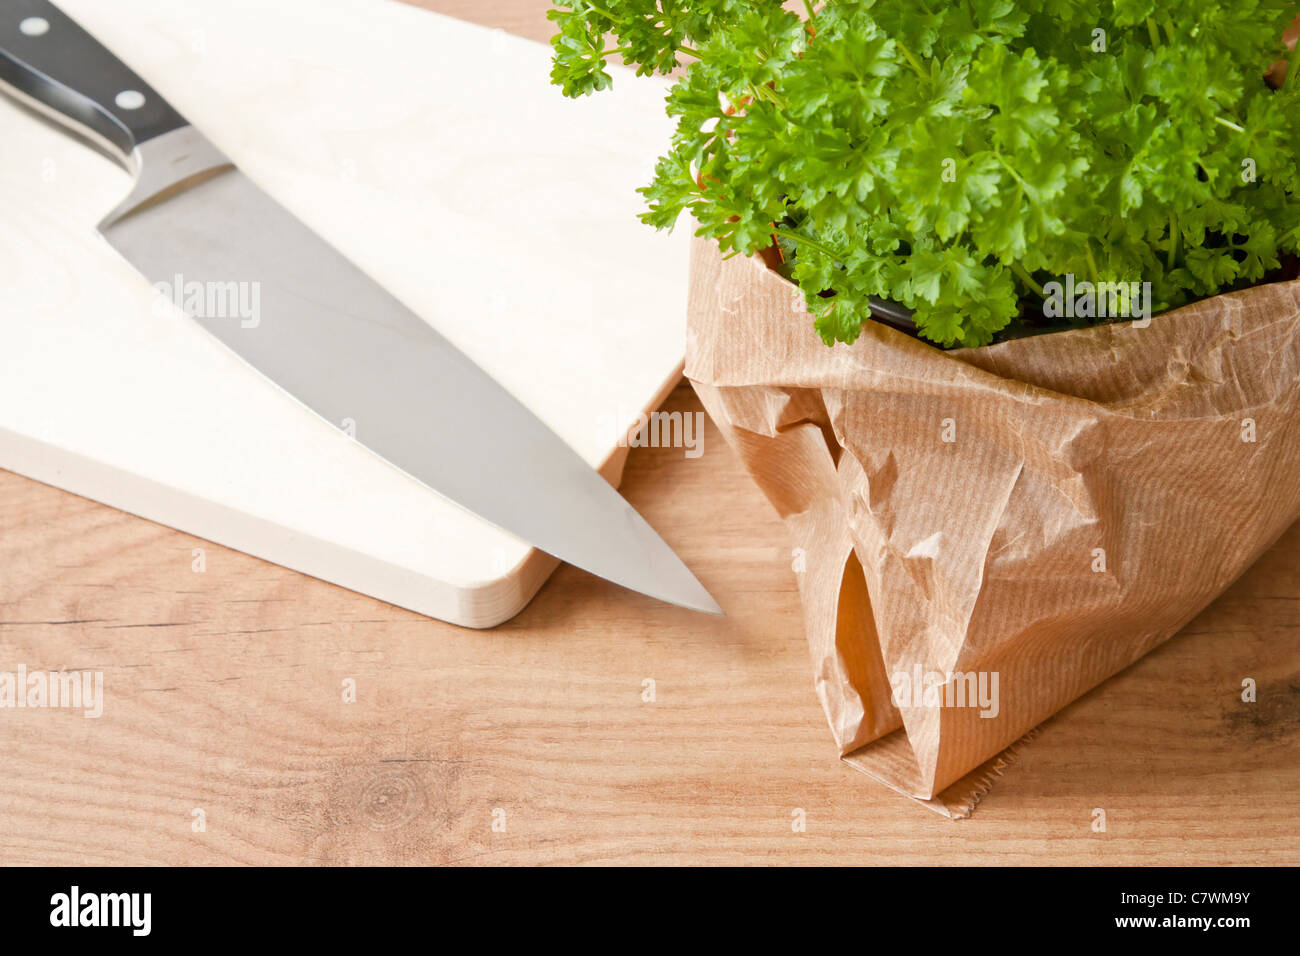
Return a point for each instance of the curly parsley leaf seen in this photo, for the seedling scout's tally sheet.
(955, 155)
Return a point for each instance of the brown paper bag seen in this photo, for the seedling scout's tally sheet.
(1012, 524)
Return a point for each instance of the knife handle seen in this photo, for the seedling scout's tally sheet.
(49, 61)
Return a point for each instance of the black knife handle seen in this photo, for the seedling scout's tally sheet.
(47, 57)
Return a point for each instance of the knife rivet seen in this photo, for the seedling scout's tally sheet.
(130, 100)
(34, 27)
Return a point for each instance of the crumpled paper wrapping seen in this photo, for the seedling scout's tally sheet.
(1047, 509)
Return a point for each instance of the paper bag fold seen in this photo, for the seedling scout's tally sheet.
(1041, 512)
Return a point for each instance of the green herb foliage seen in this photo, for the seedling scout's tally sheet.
(953, 155)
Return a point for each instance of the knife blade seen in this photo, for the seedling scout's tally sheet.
(326, 333)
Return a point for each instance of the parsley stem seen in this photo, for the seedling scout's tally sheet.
(1027, 279)
(912, 61)
(688, 51)
(1175, 240)
(808, 5)
(795, 237)
(1230, 124)
(1007, 166)
(764, 92)
(1294, 66)
(601, 11)
(1154, 32)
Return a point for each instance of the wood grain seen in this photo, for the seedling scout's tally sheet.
(224, 693)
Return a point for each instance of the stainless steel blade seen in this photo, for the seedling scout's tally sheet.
(339, 343)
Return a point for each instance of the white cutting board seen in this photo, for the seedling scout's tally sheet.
(437, 156)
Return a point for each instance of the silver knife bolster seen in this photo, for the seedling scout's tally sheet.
(166, 165)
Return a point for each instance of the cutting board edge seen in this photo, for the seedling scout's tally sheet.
(473, 605)
(477, 605)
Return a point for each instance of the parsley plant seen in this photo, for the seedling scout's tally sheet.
(955, 155)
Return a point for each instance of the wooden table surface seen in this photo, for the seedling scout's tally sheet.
(226, 738)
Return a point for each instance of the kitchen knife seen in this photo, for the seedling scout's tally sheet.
(326, 333)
